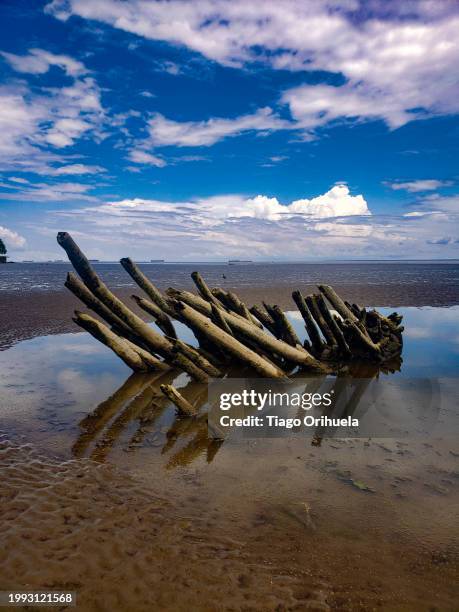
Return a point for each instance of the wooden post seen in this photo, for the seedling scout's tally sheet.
(204, 290)
(155, 341)
(217, 318)
(181, 361)
(310, 324)
(241, 309)
(176, 398)
(266, 341)
(161, 318)
(288, 333)
(318, 318)
(265, 319)
(79, 289)
(332, 324)
(197, 358)
(359, 338)
(119, 346)
(227, 342)
(337, 303)
(145, 283)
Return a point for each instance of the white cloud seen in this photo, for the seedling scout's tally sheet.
(164, 131)
(12, 239)
(217, 209)
(142, 157)
(435, 202)
(334, 224)
(74, 169)
(46, 192)
(398, 60)
(31, 120)
(38, 61)
(18, 179)
(420, 185)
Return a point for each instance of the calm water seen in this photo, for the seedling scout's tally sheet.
(361, 521)
(45, 277)
(50, 384)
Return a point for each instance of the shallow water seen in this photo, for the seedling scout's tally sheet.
(346, 524)
(48, 276)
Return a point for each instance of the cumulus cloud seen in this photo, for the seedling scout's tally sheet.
(12, 239)
(334, 224)
(420, 185)
(397, 61)
(214, 210)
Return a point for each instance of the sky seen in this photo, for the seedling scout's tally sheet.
(215, 129)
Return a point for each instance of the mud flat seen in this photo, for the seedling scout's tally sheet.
(28, 310)
(118, 498)
(92, 528)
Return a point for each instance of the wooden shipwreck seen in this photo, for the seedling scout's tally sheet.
(229, 334)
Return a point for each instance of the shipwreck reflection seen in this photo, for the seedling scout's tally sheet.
(139, 402)
(138, 415)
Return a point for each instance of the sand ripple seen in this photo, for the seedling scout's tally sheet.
(77, 525)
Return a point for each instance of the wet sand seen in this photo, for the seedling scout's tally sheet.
(35, 313)
(247, 538)
(133, 509)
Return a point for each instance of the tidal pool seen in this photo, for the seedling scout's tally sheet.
(339, 524)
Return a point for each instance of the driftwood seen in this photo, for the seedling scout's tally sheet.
(230, 334)
(176, 398)
(135, 357)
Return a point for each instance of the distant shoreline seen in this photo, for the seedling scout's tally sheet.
(311, 262)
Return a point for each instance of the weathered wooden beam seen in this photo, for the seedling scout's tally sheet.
(357, 338)
(241, 309)
(176, 398)
(181, 361)
(288, 333)
(79, 289)
(222, 296)
(216, 317)
(154, 340)
(197, 358)
(310, 324)
(311, 303)
(337, 303)
(161, 318)
(333, 326)
(227, 342)
(145, 283)
(260, 337)
(119, 346)
(204, 290)
(265, 319)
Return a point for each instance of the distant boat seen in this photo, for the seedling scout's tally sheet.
(94, 260)
(235, 262)
(28, 261)
(156, 260)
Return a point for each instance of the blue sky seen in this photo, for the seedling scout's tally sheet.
(214, 129)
